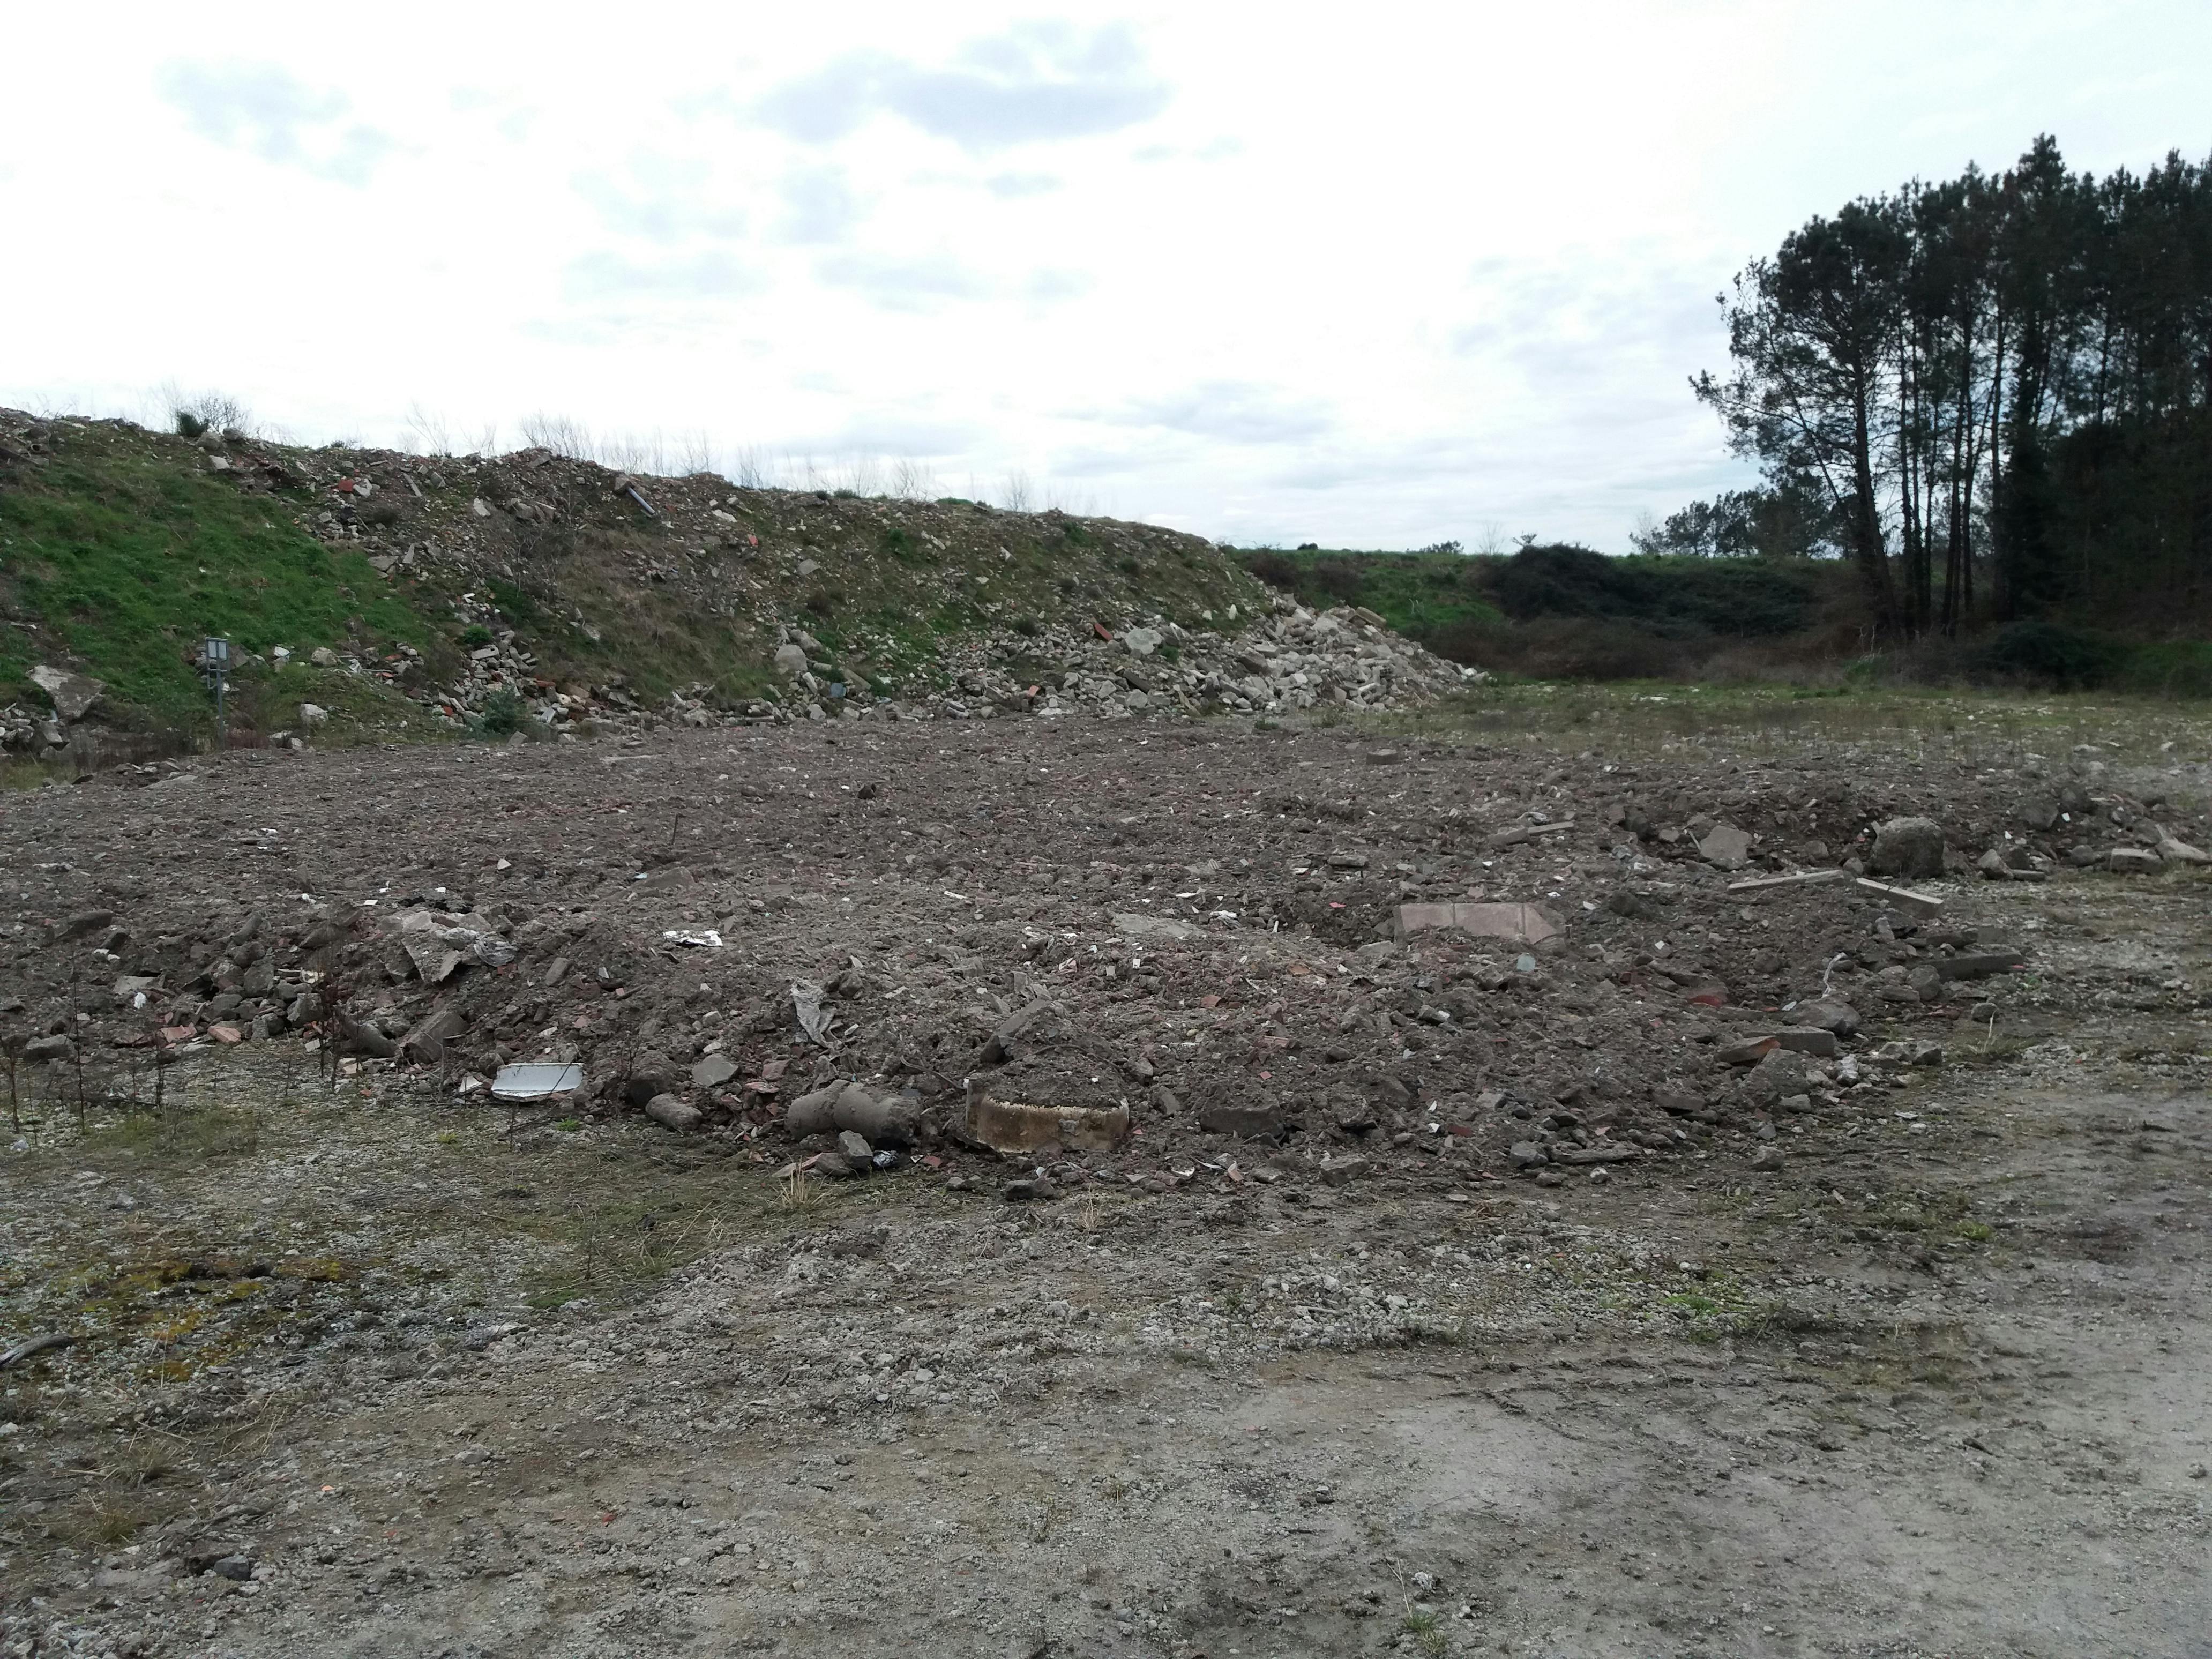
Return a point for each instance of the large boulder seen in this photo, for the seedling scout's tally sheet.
(1909, 848)
(73, 694)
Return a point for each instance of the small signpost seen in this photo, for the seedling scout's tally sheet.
(214, 658)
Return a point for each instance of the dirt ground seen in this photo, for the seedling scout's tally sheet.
(1915, 1362)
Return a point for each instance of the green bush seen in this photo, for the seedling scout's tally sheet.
(2049, 653)
(1739, 598)
(502, 716)
(476, 634)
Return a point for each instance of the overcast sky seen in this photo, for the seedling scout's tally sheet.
(1375, 276)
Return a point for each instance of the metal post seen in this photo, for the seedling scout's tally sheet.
(215, 656)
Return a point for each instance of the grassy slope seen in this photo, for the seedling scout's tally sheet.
(126, 554)
(120, 549)
(1424, 595)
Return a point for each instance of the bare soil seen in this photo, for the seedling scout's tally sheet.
(1914, 1362)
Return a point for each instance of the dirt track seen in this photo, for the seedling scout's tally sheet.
(434, 1378)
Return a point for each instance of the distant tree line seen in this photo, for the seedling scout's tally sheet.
(1993, 394)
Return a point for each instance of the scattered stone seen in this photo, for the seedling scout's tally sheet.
(714, 1071)
(671, 1112)
(1912, 849)
(854, 1149)
(1779, 1073)
(43, 1050)
(1564, 1154)
(1829, 1014)
(1767, 1160)
(1725, 845)
(1244, 1122)
(1979, 964)
(2132, 861)
(83, 925)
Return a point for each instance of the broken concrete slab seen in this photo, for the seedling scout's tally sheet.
(1132, 925)
(1521, 924)
(2175, 851)
(425, 1042)
(1923, 905)
(2132, 861)
(1006, 1126)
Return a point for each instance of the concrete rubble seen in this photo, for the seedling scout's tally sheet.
(1447, 951)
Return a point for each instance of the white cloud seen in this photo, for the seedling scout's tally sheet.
(662, 200)
(902, 283)
(604, 275)
(1236, 412)
(1035, 82)
(265, 111)
(820, 205)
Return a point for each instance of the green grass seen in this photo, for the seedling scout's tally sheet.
(1421, 595)
(129, 556)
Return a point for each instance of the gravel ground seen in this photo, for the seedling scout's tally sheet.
(363, 1364)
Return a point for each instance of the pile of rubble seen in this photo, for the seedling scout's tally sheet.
(1289, 661)
(562, 598)
(1342, 954)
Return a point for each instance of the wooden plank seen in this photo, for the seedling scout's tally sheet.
(1923, 904)
(1794, 879)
